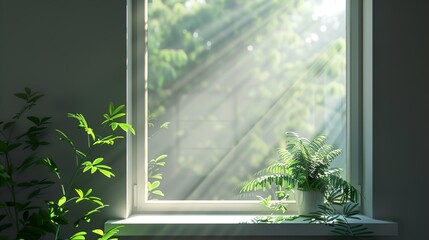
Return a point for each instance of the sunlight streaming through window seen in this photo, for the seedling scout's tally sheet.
(227, 78)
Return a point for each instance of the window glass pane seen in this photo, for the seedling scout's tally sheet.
(230, 77)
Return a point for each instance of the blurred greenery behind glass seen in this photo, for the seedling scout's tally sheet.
(232, 76)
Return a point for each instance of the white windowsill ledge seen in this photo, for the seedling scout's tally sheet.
(233, 225)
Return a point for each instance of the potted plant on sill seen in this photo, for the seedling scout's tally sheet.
(304, 165)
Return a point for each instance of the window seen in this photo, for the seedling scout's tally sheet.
(228, 78)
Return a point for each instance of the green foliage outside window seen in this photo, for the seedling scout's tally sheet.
(258, 51)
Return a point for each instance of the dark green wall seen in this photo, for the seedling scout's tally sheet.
(74, 52)
(401, 115)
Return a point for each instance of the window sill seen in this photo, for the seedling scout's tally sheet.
(233, 225)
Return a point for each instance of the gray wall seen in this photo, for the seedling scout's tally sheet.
(74, 51)
(401, 115)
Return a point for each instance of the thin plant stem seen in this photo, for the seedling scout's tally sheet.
(13, 192)
(69, 187)
(57, 232)
(73, 179)
(71, 182)
(89, 142)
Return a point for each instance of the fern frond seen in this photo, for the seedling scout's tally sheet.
(280, 168)
(317, 143)
(335, 171)
(284, 155)
(293, 141)
(318, 184)
(264, 182)
(351, 209)
(348, 191)
(333, 154)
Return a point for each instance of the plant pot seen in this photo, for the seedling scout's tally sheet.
(308, 201)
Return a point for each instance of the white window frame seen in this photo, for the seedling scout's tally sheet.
(359, 116)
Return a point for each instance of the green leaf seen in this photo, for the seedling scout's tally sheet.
(153, 185)
(35, 97)
(83, 124)
(161, 157)
(97, 161)
(34, 119)
(106, 116)
(158, 192)
(78, 236)
(79, 192)
(127, 127)
(97, 201)
(45, 120)
(165, 125)
(114, 125)
(52, 165)
(8, 125)
(62, 200)
(118, 115)
(60, 220)
(118, 109)
(131, 129)
(110, 233)
(98, 232)
(88, 192)
(34, 183)
(87, 168)
(103, 167)
(3, 147)
(106, 173)
(34, 193)
(113, 117)
(28, 162)
(113, 110)
(156, 176)
(21, 96)
(6, 148)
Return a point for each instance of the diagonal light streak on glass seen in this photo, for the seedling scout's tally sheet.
(239, 62)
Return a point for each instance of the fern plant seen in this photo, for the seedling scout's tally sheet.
(304, 165)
